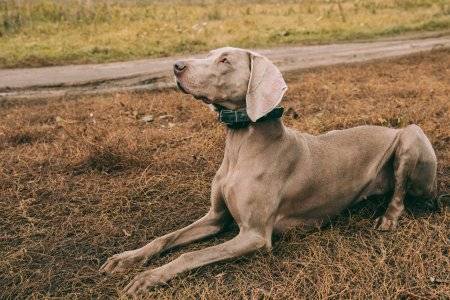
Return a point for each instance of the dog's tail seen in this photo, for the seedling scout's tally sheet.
(442, 201)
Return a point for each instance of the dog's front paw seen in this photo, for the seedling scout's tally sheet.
(384, 224)
(123, 261)
(143, 281)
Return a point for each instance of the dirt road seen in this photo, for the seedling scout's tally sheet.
(157, 73)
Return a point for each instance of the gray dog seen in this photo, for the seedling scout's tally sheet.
(273, 178)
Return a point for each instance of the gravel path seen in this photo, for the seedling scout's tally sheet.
(36, 83)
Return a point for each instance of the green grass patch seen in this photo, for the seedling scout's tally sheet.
(50, 32)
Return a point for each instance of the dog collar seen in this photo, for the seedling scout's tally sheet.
(238, 118)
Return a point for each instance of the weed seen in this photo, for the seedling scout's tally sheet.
(49, 32)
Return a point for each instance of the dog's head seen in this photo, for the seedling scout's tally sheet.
(233, 78)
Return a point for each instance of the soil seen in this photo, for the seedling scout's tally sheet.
(150, 74)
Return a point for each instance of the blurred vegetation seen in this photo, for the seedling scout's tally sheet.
(48, 32)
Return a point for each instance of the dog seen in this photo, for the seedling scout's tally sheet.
(273, 178)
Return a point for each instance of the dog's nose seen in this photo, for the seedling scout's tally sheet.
(179, 66)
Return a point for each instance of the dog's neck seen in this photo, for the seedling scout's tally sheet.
(245, 135)
(268, 128)
(254, 138)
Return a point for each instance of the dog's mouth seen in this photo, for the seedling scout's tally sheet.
(204, 99)
(182, 88)
(198, 97)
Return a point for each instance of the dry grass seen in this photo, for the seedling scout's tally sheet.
(84, 179)
(49, 32)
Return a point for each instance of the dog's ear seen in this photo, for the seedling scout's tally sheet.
(266, 87)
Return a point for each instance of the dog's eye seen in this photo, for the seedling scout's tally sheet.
(223, 60)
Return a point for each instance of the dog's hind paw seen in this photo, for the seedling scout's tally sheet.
(384, 224)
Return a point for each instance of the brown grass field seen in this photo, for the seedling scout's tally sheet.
(82, 179)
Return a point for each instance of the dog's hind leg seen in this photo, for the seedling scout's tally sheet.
(423, 182)
(414, 168)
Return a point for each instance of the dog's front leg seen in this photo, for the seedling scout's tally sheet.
(209, 225)
(244, 243)
(212, 223)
